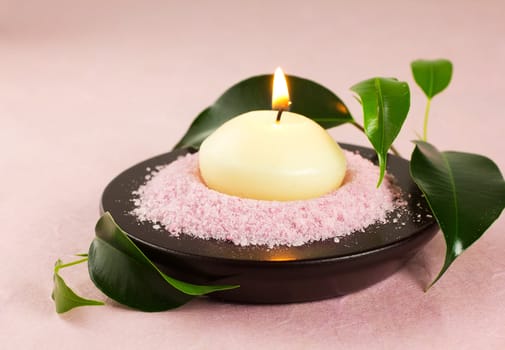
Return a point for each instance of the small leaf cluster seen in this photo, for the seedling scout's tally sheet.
(121, 271)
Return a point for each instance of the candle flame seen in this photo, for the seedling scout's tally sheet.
(280, 94)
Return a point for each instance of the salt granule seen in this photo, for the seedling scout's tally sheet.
(176, 198)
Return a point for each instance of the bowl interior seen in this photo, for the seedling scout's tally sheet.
(403, 223)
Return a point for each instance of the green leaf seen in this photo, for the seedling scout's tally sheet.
(65, 298)
(432, 76)
(466, 193)
(120, 270)
(308, 98)
(386, 103)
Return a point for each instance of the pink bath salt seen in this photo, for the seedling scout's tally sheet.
(176, 198)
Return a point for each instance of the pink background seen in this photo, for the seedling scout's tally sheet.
(89, 88)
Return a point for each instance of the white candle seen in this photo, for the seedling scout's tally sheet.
(255, 156)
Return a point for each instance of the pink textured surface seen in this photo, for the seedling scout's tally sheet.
(89, 88)
(176, 198)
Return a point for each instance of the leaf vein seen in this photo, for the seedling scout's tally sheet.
(454, 192)
(380, 116)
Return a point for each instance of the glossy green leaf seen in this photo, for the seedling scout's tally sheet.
(65, 298)
(386, 102)
(466, 193)
(120, 270)
(432, 76)
(308, 98)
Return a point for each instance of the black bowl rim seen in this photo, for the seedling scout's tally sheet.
(250, 262)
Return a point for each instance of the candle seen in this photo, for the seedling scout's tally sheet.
(272, 154)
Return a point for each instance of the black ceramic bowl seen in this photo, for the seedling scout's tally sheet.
(314, 271)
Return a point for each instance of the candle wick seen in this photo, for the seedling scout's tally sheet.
(279, 113)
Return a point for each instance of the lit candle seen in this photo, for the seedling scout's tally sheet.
(272, 155)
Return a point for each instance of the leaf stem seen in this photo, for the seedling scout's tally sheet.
(70, 263)
(426, 114)
(393, 149)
